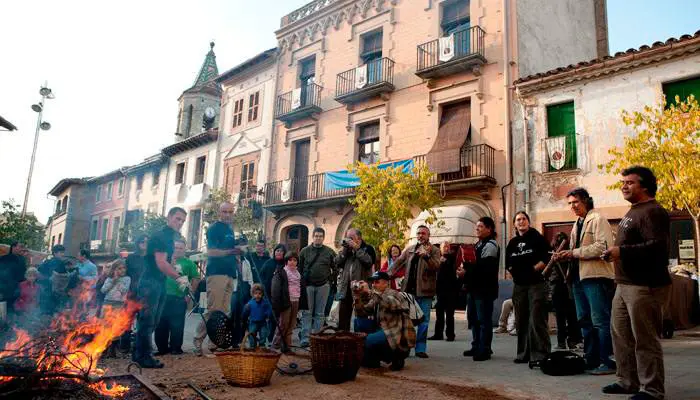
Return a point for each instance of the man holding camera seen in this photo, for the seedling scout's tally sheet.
(355, 264)
(390, 335)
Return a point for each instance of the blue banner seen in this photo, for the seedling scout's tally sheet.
(346, 179)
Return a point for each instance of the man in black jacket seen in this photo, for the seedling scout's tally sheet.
(12, 269)
(640, 254)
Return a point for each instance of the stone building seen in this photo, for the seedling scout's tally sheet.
(573, 117)
(69, 225)
(108, 212)
(146, 188)
(245, 132)
(419, 82)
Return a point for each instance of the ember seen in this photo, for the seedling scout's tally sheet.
(63, 357)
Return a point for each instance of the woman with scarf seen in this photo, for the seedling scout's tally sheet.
(266, 274)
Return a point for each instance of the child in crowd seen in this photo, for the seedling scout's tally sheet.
(115, 289)
(258, 312)
(286, 291)
(28, 298)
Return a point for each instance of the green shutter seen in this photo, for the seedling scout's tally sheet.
(561, 122)
(682, 89)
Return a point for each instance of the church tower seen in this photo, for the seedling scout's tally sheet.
(200, 104)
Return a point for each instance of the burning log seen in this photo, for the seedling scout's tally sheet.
(64, 356)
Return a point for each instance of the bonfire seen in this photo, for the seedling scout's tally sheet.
(62, 357)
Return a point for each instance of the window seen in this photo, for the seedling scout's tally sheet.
(195, 225)
(682, 89)
(120, 188)
(105, 227)
(237, 113)
(58, 207)
(372, 46)
(53, 240)
(64, 204)
(190, 115)
(307, 71)
(156, 177)
(60, 237)
(139, 182)
(98, 194)
(93, 229)
(180, 173)
(110, 189)
(253, 102)
(115, 228)
(369, 143)
(200, 168)
(247, 180)
(455, 16)
(560, 122)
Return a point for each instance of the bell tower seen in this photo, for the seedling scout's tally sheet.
(200, 104)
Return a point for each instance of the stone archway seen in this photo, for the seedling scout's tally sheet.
(343, 226)
(296, 237)
(282, 227)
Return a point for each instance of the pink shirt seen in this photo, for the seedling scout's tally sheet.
(294, 280)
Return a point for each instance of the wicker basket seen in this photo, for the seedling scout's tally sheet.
(248, 367)
(336, 356)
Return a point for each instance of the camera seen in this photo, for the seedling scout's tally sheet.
(347, 242)
(355, 285)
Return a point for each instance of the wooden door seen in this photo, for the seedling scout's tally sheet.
(301, 169)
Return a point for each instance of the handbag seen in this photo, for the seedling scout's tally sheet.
(415, 313)
(334, 315)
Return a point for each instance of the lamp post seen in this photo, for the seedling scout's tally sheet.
(45, 93)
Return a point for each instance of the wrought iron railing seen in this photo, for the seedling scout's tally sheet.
(380, 71)
(475, 162)
(468, 42)
(309, 96)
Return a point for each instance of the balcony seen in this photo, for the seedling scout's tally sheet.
(379, 79)
(299, 103)
(103, 247)
(468, 54)
(477, 170)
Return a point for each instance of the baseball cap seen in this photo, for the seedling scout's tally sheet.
(379, 275)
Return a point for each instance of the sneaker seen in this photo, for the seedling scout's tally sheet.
(469, 353)
(422, 354)
(616, 388)
(482, 357)
(602, 370)
(500, 329)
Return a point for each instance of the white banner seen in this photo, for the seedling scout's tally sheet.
(296, 98)
(361, 77)
(286, 192)
(447, 48)
(556, 148)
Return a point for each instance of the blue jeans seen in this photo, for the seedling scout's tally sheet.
(593, 305)
(317, 298)
(257, 330)
(151, 295)
(479, 312)
(426, 304)
(376, 346)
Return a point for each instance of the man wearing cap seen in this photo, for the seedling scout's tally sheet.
(391, 335)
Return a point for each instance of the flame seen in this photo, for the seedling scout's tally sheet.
(82, 338)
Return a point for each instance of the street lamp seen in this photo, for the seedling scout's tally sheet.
(45, 93)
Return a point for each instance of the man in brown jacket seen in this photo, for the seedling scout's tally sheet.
(592, 279)
(422, 262)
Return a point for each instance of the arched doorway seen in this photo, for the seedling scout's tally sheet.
(296, 237)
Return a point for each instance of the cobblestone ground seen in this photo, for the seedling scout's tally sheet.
(445, 375)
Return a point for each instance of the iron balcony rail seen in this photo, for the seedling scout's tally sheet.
(476, 161)
(467, 43)
(310, 97)
(379, 72)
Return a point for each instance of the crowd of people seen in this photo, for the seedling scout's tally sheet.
(607, 293)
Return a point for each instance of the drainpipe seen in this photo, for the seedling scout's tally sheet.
(166, 183)
(527, 151)
(506, 129)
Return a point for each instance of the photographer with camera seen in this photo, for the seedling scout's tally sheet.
(390, 333)
(355, 264)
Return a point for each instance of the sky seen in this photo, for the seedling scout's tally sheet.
(117, 69)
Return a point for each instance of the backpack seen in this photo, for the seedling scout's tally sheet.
(415, 313)
(562, 363)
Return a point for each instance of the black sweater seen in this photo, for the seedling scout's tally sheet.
(523, 253)
(644, 239)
